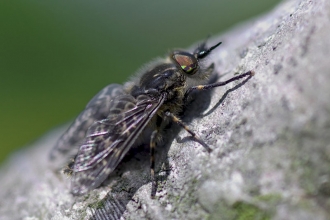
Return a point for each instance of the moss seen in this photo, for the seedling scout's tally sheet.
(185, 202)
(121, 186)
(246, 211)
(86, 197)
(270, 199)
(241, 211)
(308, 176)
(97, 205)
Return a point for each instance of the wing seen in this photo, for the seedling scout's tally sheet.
(97, 109)
(107, 141)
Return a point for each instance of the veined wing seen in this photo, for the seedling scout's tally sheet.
(107, 141)
(97, 109)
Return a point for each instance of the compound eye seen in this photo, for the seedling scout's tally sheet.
(187, 62)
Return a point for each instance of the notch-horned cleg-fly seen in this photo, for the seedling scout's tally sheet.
(122, 116)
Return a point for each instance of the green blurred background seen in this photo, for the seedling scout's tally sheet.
(55, 55)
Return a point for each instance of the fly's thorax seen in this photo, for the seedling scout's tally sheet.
(164, 78)
(160, 78)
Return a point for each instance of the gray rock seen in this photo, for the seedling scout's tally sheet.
(270, 137)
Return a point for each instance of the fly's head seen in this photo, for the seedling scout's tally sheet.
(192, 65)
(178, 73)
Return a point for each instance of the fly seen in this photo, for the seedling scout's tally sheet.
(122, 116)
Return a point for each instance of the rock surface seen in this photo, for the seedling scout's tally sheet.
(270, 136)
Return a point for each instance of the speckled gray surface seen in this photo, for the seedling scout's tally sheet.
(270, 136)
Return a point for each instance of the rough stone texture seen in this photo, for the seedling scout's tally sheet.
(270, 136)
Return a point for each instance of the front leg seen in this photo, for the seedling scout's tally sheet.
(193, 134)
(213, 85)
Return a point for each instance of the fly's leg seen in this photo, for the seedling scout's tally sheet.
(184, 126)
(68, 170)
(153, 141)
(152, 163)
(210, 86)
